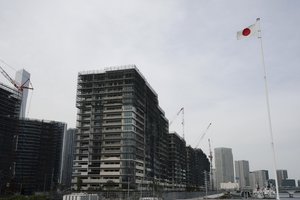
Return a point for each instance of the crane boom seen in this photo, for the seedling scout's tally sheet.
(175, 116)
(12, 81)
(202, 136)
(182, 122)
(8, 77)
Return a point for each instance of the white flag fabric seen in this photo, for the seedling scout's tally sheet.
(248, 32)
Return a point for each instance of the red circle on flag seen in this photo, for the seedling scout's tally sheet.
(246, 32)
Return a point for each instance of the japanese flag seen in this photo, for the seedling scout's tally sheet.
(249, 31)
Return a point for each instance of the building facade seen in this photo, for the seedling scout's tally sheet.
(224, 166)
(288, 183)
(242, 173)
(122, 132)
(282, 174)
(198, 169)
(10, 101)
(67, 158)
(259, 179)
(177, 161)
(38, 156)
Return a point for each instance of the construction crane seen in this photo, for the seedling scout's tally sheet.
(182, 122)
(21, 87)
(211, 166)
(202, 136)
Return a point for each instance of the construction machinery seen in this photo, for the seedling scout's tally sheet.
(182, 122)
(20, 87)
(202, 136)
(211, 166)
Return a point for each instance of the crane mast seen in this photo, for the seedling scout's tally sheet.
(211, 166)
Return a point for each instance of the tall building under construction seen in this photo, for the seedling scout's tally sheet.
(122, 137)
(10, 102)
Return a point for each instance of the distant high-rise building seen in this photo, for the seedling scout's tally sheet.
(10, 101)
(67, 157)
(288, 183)
(38, 155)
(259, 178)
(242, 173)
(23, 78)
(121, 131)
(282, 174)
(224, 166)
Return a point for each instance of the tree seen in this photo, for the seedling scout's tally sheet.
(79, 183)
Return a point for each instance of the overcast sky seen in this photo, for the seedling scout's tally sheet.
(188, 52)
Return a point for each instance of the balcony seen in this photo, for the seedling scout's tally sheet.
(103, 173)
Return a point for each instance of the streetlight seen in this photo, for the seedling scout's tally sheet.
(128, 174)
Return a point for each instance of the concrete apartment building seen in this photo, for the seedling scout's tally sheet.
(197, 167)
(242, 173)
(282, 174)
(122, 132)
(224, 166)
(259, 179)
(177, 161)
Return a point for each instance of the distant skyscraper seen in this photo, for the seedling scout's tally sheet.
(242, 173)
(224, 166)
(67, 157)
(282, 174)
(23, 78)
(259, 178)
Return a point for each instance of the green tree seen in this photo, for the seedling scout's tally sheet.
(79, 183)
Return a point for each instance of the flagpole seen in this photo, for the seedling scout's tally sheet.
(268, 107)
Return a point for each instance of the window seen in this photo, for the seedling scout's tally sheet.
(128, 128)
(128, 121)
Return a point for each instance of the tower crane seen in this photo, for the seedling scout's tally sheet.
(19, 87)
(211, 166)
(182, 122)
(202, 136)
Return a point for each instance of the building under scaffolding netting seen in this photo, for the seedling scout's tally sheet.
(10, 101)
(38, 155)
